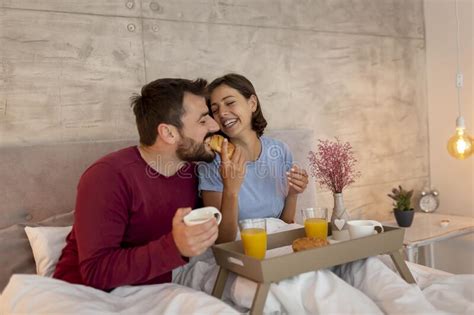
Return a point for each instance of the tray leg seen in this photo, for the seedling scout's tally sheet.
(220, 282)
(402, 266)
(260, 298)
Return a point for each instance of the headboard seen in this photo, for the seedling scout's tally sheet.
(40, 181)
(38, 187)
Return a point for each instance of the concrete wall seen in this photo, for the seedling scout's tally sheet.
(453, 178)
(353, 69)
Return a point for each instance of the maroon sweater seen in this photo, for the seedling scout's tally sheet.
(123, 221)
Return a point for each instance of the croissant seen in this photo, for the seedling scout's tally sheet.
(304, 243)
(216, 145)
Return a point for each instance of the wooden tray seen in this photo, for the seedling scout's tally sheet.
(230, 257)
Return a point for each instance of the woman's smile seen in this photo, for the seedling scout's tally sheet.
(229, 123)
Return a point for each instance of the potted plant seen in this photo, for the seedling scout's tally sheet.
(402, 206)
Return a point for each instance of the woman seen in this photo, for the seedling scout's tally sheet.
(258, 181)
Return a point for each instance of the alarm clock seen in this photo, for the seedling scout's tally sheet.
(429, 201)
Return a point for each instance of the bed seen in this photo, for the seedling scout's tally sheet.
(38, 192)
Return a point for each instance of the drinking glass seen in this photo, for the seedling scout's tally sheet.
(254, 237)
(315, 222)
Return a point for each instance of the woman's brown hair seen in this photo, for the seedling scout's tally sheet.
(244, 87)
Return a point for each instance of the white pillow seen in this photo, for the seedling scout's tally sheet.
(47, 243)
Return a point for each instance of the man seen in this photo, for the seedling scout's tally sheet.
(128, 227)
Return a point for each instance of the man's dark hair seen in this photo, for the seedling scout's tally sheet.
(161, 101)
(244, 87)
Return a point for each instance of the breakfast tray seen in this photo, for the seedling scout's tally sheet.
(230, 257)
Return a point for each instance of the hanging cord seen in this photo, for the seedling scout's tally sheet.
(459, 77)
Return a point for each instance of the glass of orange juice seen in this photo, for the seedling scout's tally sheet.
(254, 237)
(315, 222)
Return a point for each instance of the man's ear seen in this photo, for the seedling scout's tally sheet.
(168, 133)
(253, 103)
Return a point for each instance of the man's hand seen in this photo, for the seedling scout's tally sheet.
(232, 171)
(297, 180)
(193, 240)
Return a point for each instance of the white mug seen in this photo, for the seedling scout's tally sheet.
(362, 228)
(201, 215)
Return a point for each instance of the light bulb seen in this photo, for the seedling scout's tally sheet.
(460, 145)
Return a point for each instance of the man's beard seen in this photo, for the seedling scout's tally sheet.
(192, 151)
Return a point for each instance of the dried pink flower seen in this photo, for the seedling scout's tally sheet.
(333, 165)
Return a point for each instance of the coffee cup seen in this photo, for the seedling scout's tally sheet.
(201, 215)
(362, 228)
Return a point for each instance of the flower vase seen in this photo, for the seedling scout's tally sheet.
(339, 218)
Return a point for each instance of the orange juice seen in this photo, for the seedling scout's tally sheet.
(315, 227)
(255, 242)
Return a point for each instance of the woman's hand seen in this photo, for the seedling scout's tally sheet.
(232, 171)
(297, 180)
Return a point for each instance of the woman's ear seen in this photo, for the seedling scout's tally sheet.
(253, 103)
(168, 133)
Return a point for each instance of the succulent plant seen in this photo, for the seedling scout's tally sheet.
(402, 199)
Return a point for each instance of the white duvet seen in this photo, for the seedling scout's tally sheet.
(32, 294)
(370, 286)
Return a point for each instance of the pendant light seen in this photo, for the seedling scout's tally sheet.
(460, 144)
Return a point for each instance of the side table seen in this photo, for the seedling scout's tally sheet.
(427, 229)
